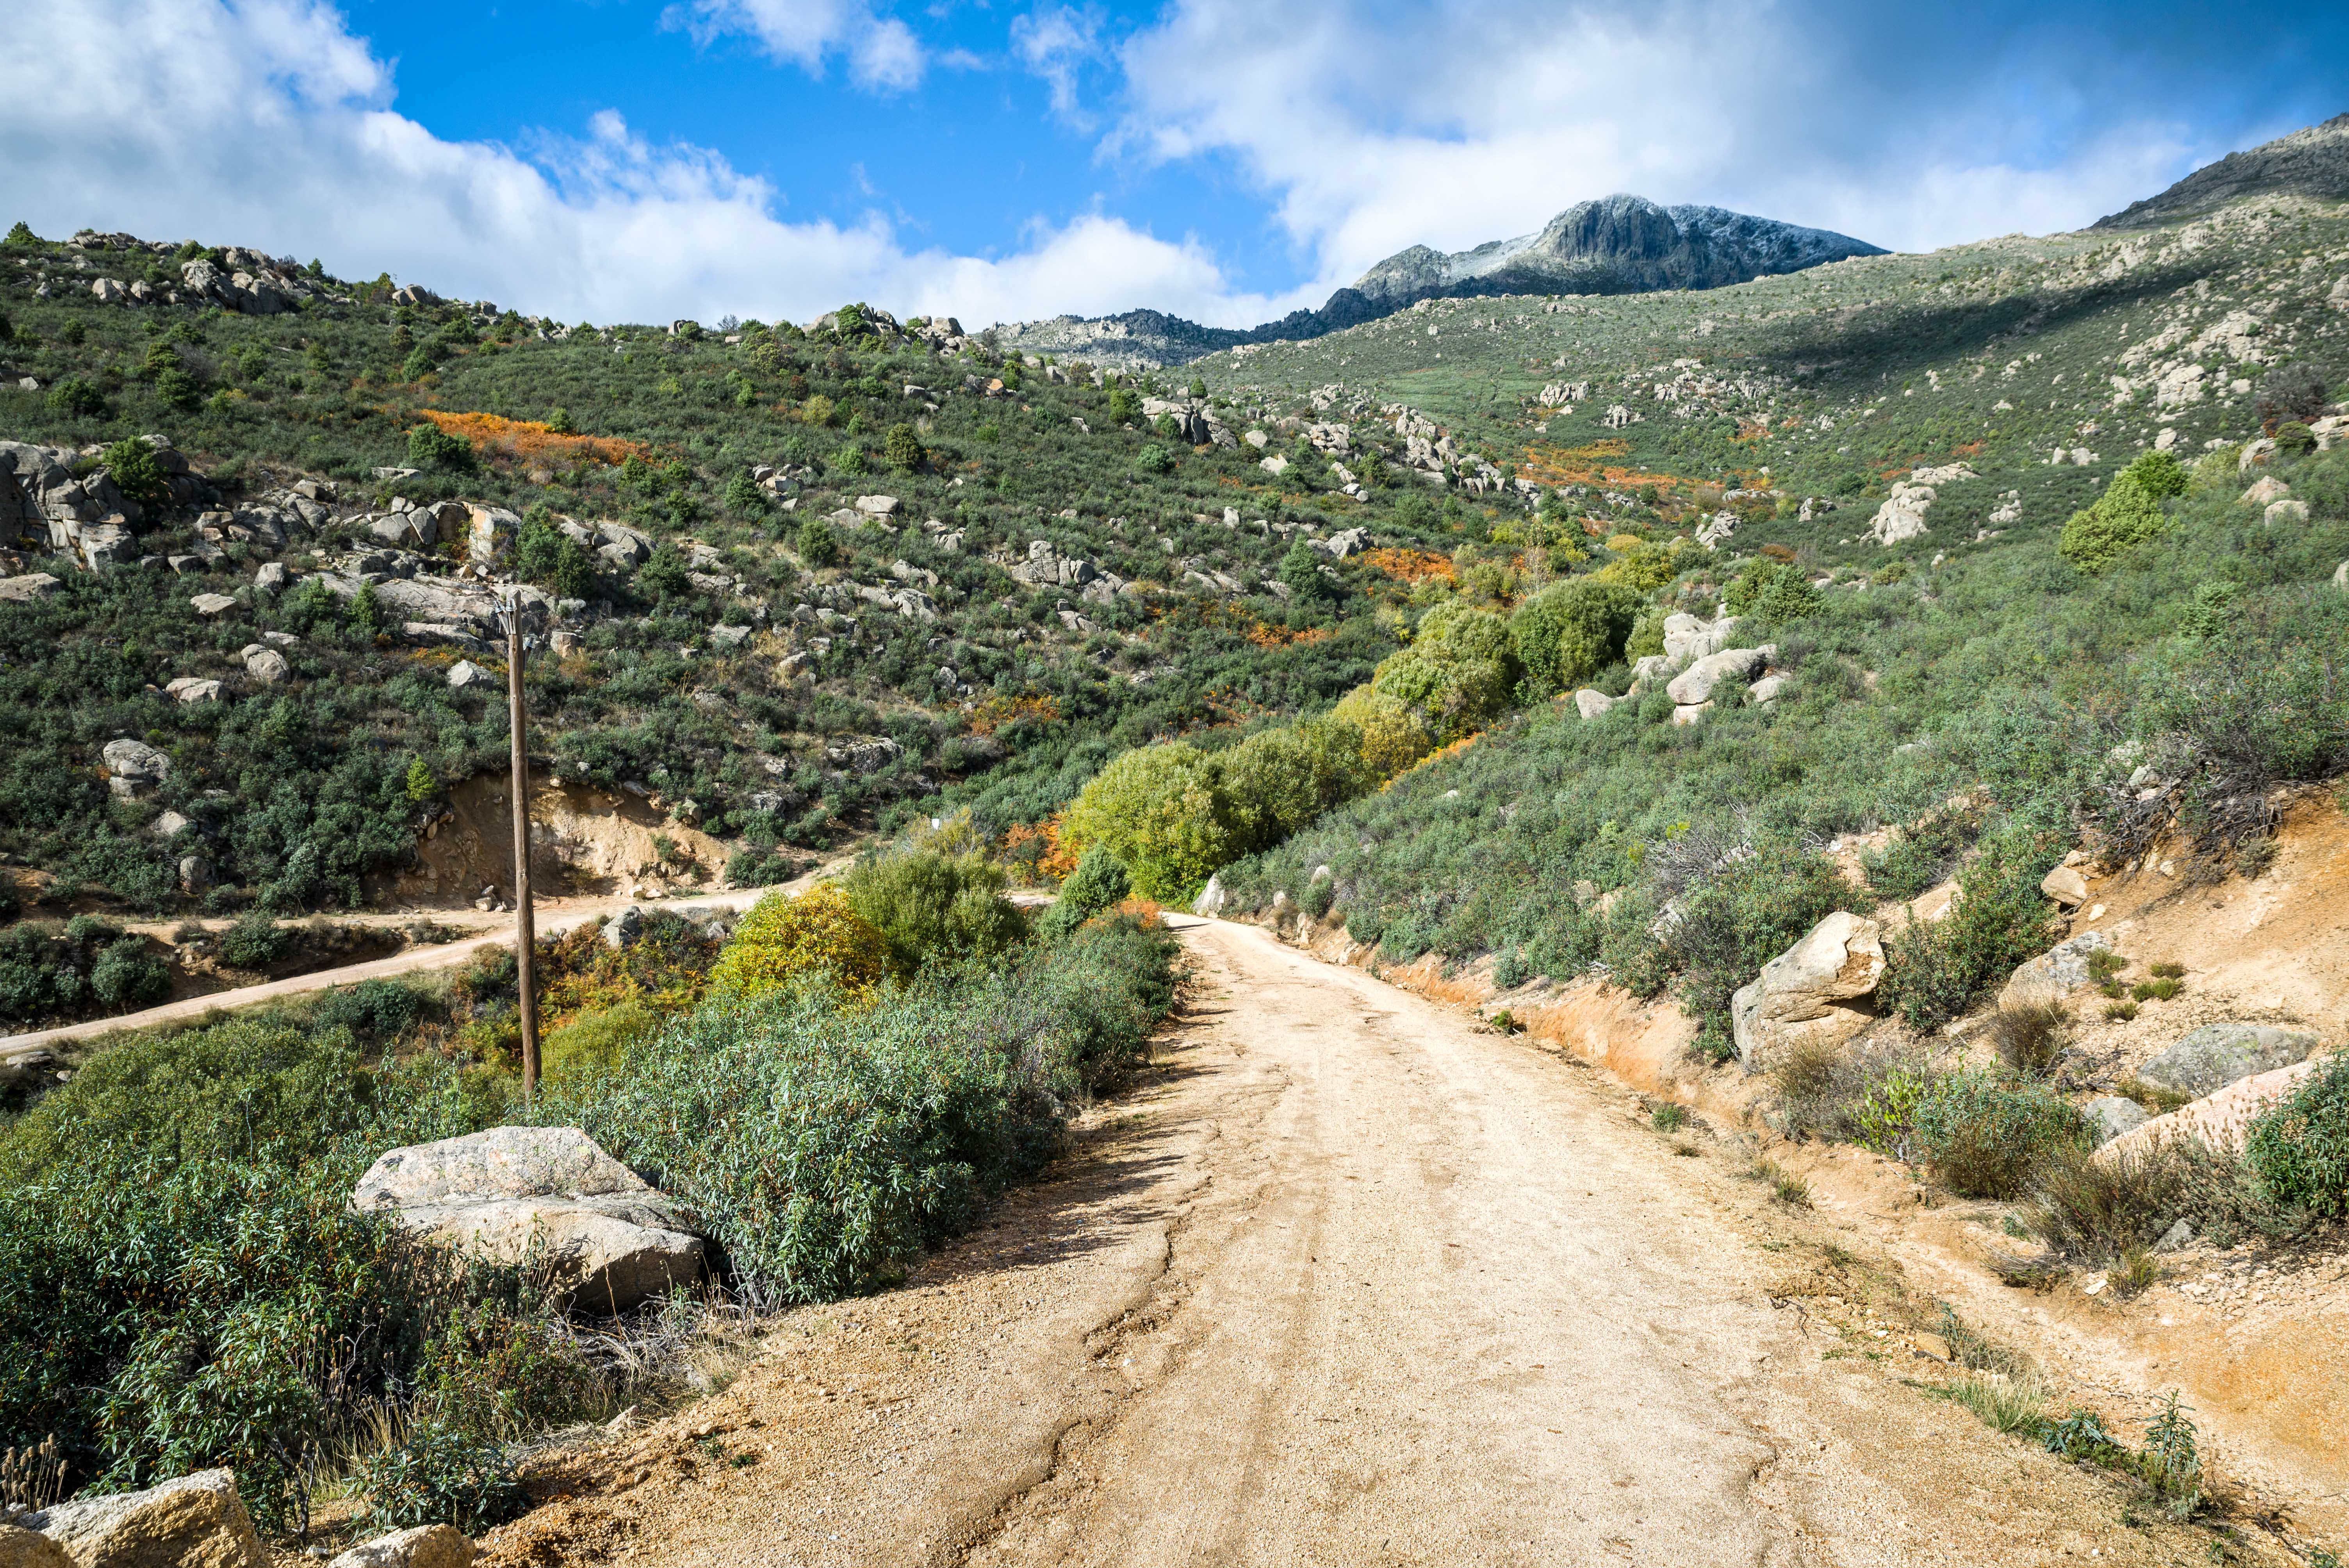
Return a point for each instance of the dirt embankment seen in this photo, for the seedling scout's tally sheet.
(584, 841)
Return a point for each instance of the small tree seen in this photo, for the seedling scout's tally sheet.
(1153, 459)
(1300, 572)
(743, 494)
(21, 238)
(1124, 408)
(818, 543)
(547, 556)
(2127, 515)
(559, 423)
(905, 450)
(78, 399)
(132, 467)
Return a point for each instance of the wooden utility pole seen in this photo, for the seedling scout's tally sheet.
(525, 935)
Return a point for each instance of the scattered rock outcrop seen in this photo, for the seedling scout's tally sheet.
(1695, 684)
(513, 1194)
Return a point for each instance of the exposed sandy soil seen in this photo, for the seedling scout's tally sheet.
(584, 841)
(1350, 1278)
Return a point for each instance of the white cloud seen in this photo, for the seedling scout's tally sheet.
(1052, 42)
(1373, 125)
(881, 51)
(265, 123)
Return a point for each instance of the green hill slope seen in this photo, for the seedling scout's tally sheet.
(1076, 563)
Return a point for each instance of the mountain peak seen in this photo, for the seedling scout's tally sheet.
(2310, 162)
(1615, 245)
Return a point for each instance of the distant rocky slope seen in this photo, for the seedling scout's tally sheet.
(1619, 245)
(2311, 162)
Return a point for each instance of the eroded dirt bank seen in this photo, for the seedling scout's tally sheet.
(1350, 1280)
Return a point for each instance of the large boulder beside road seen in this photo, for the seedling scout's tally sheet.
(543, 1196)
(1810, 993)
(196, 1521)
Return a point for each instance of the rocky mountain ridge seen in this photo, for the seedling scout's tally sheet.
(2312, 162)
(1617, 245)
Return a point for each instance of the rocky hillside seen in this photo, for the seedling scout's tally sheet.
(1621, 244)
(2314, 163)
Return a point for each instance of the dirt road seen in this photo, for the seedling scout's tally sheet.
(1350, 1280)
(555, 916)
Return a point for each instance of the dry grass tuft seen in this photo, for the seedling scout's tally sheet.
(2029, 1039)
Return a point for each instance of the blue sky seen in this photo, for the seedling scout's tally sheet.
(1227, 159)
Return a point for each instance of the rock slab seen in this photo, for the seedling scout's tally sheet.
(2217, 1054)
(2221, 1121)
(425, 1546)
(1810, 992)
(2055, 975)
(30, 1549)
(196, 1521)
(519, 1195)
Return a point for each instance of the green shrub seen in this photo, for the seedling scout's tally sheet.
(759, 868)
(1983, 1136)
(441, 1475)
(818, 543)
(175, 1236)
(551, 559)
(1276, 781)
(254, 942)
(904, 450)
(824, 1148)
(1570, 631)
(429, 446)
(1458, 674)
(1153, 459)
(129, 974)
(1936, 970)
(1098, 885)
(373, 1009)
(2127, 515)
(595, 1042)
(1922, 854)
(79, 399)
(2299, 1151)
(936, 908)
(786, 943)
(1161, 810)
(1301, 572)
